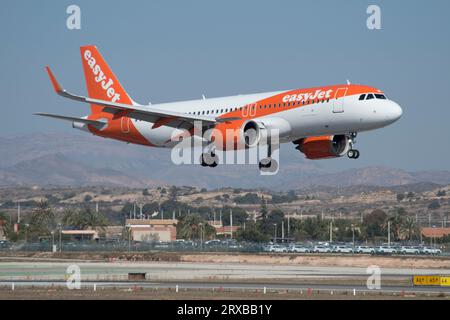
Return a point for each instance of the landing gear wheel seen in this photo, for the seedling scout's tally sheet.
(353, 154)
(209, 160)
(268, 165)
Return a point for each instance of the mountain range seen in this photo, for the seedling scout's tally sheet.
(62, 159)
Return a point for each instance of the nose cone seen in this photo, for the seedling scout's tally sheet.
(395, 112)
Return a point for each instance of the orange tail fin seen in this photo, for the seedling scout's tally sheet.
(101, 82)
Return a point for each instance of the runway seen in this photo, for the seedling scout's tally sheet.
(33, 278)
(192, 271)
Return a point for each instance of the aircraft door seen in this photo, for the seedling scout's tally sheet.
(339, 97)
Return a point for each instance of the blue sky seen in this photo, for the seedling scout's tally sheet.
(176, 50)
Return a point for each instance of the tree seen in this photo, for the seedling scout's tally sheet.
(396, 221)
(239, 215)
(190, 227)
(145, 192)
(409, 228)
(41, 222)
(84, 218)
(441, 193)
(434, 205)
(251, 233)
(373, 224)
(400, 197)
(248, 198)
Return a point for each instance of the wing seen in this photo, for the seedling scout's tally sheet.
(95, 123)
(146, 113)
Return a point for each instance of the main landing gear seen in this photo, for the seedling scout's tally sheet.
(268, 164)
(209, 159)
(352, 153)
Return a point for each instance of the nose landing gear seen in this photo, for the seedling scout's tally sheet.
(353, 153)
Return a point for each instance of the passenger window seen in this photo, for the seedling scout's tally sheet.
(361, 97)
(370, 96)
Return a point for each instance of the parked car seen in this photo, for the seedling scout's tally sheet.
(408, 250)
(321, 249)
(385, 250)
(365, 249)
(277, 248)
(214, 242)
(342, 249)
(4, 244)
(432, 251)
(299, 249)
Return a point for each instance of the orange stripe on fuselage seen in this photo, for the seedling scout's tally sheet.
(278, 100)
(275, 104)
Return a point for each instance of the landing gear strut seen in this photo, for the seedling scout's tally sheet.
(352, 153)
(268, 164)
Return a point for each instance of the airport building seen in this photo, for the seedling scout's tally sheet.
(81, 234)
(222, 230)
(152, 229)
(430, 232)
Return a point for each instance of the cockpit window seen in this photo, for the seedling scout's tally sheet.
(370, 96)
(380, 96)
(361, 97)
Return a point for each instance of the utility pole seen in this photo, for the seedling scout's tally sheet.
(231, 224)
(429, 220)
(389, 233)
(18, 212)
(353, 235)
(275, 233)
(60, 232)
(134, 210)
(289, 226)
(282, 230)
(96, 207)
(331, 231)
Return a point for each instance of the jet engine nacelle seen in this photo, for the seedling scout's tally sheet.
(324, 147)
(260, 131)
(250, 133)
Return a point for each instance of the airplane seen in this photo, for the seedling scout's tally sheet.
(322, 122)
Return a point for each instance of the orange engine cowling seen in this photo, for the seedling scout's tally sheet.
(324, 146)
